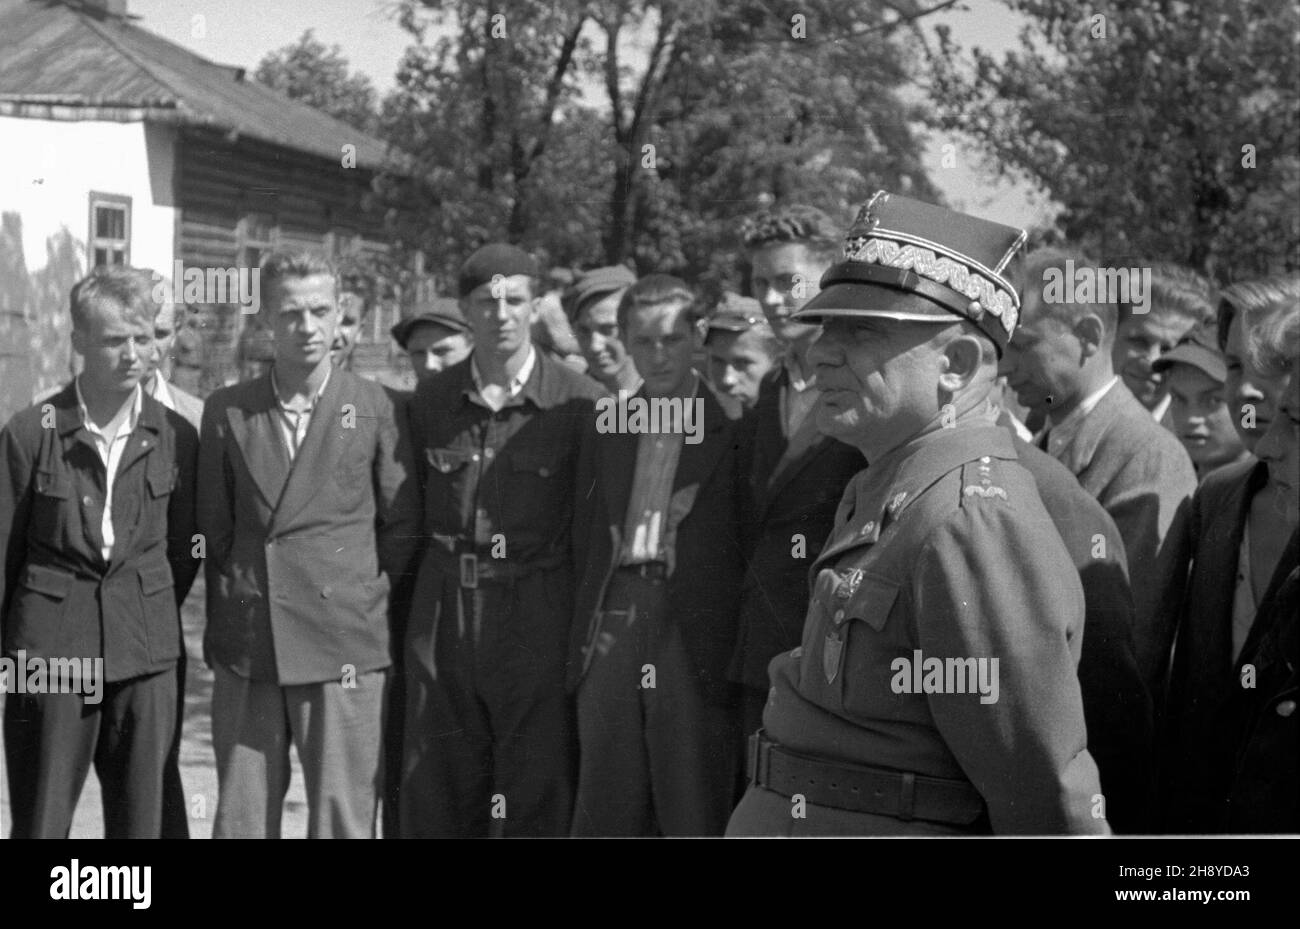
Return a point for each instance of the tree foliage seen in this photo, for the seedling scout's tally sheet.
(1164, 128)
(319, 76)
(640, 131)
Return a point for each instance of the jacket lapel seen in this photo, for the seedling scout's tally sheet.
(1079, 453)
(698, 461)
(315, 459)
(254, 428)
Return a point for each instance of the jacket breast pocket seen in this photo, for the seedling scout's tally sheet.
(873, 638)
(162, 480)
(532, 487)
(54, 485)
(353, 472)
(54, 516)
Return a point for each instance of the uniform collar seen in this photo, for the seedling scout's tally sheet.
(889, 485)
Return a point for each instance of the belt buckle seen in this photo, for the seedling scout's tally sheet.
(469, 570)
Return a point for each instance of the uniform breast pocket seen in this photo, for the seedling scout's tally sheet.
(873, 637)
(162, 480)
(533, 485)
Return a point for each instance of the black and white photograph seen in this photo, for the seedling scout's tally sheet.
(612, 419)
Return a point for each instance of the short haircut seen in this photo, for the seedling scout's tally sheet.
(130, 288)
(1255, 296)
(286, 264)
(1272, 331)
(1176, 291)
(795, 223)
(658, 290)
(1030, 279)
(767, 340)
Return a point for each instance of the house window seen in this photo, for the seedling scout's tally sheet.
(256, 237)
(109, 242)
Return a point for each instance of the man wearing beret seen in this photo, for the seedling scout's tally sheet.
(435, 338)
(934, 692)
(593, 304)
(489, 743)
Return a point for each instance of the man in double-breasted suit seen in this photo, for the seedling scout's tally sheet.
(657, 535)
(309, 513)
(96, 538)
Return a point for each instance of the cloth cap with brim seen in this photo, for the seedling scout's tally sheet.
(956, 261)
(489, 261)
(1198, 349)
(738, 314)
(441, 311)
(597, 284)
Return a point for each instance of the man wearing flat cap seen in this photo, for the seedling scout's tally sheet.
(489, 745)
(742, 349)
(593, 305)
(935, 691)
(435, 338)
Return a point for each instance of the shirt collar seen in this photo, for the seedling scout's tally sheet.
(523, 378)
(1061, 434)
(799, 379)
(159, 391)
(135, 402)
(275, 390)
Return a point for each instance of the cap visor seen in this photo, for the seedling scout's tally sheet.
(851, 299)
(1201, 358)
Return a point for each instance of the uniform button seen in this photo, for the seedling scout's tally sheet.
(1286, 708)
(325, 592)
(87, 501)
(482, 515)
(489, 454)
(544, 472)
(474, 457)
(839, 617)
(985, 460)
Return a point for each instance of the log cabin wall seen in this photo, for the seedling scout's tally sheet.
(239, 198)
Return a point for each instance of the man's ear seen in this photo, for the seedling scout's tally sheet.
(1089, 330)
(78, 341)
(962, 357)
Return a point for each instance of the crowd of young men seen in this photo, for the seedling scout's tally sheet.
(898, 543)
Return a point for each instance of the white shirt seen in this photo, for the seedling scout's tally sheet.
(1160, 409)
(110, 442)
(294, 423)
(799, 398)
(494, 396)
(1062, 434)
(158, 390)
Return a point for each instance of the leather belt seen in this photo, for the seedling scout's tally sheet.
(860, 789)
(473, 565)
(648, 570)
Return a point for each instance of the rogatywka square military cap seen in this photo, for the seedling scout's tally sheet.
(957, 261)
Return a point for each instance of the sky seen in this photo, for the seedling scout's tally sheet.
(241, 32)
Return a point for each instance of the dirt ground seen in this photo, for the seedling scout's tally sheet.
(198, 766)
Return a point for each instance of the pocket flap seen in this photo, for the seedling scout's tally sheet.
(49, 581)
(447, 460)
(872, 601)
(162, 481)
(155, 578)
(544, 463)
(53, 484)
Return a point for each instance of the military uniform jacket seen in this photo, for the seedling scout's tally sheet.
(58, 597)
(944, 548)
(301, 555)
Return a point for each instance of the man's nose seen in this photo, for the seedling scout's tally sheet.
(771, 297)
(432, 362)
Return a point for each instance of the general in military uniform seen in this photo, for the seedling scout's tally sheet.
(935, 689)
